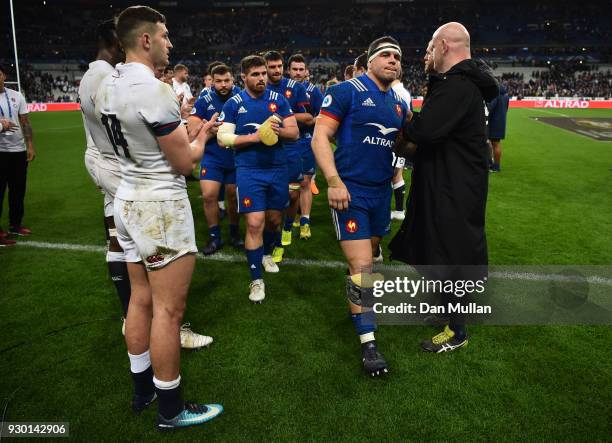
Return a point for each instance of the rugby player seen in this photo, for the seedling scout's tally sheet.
(179, 83)
(295, 93)
(141, 116)
(361, 64)
(364, 115)
(100, 160)
(255, 123)
(217, 168)
(297, 72)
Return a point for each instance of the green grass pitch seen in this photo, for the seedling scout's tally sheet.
(289, 370)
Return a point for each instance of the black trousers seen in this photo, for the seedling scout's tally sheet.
(13, 172)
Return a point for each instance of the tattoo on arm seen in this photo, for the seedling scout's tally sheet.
(26, 127)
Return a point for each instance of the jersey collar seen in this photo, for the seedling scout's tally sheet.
(135, 67)
(369, 83)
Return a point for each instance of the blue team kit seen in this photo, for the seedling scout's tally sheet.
(295, 93)
(261, 171)
(218, 162)
(370, 120)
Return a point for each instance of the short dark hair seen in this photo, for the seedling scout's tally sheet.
(297, 58)
(251, 61)
(349, 70)
(180, 67)
(272, 56)
(3, 69)
(378, 41)
(106, 34)
(131, 19)
(168, 69)
(361, 62)
(212, 66)
(220, 70)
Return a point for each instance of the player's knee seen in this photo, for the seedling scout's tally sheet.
(360, 287)
(172, 313)
(141, 299)
(255, 226)
(210, 197)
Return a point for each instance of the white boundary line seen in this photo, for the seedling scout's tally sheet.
(330, 264)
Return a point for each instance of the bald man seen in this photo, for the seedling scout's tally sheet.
(443, 234)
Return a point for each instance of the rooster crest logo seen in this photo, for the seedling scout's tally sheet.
(246, 202)
(272, 107)
(352, 226)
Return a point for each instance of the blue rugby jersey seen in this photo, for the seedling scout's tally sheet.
(248, 113)
(295, 93)
(204, 107)
(370, 120)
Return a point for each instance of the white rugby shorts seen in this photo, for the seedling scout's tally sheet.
(155, 232)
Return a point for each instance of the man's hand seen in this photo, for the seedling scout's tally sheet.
(193, 129)
(200, 134)
(275, 125)
(338, 196)
(7, 125)
(187, 107)
(212, 125)
(31, 153)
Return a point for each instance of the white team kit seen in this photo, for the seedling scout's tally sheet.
(100, 160)
(152, 211)
(182, 88)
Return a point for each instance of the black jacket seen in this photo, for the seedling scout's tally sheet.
(445, 216)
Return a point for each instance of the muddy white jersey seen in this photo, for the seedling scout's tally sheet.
(136, 108)
(95, 133)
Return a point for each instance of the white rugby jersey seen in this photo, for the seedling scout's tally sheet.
(98, 141)
(401, 90)
(182, 88)
(136, 108)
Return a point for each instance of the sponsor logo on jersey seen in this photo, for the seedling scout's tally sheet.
(221, 116)
(351, 226)
(246, 202)
(273, 107)
(211, 108)
(383, 130)
(326, 101)
(288, 93)
(368, 102)
(241, 110)
(378, 141)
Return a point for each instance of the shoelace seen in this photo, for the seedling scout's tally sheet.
(371, 353)
(255, 285)
(442, 337)
(186, 327)
(195, 408)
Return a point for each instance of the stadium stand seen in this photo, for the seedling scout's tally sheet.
(539, 49)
